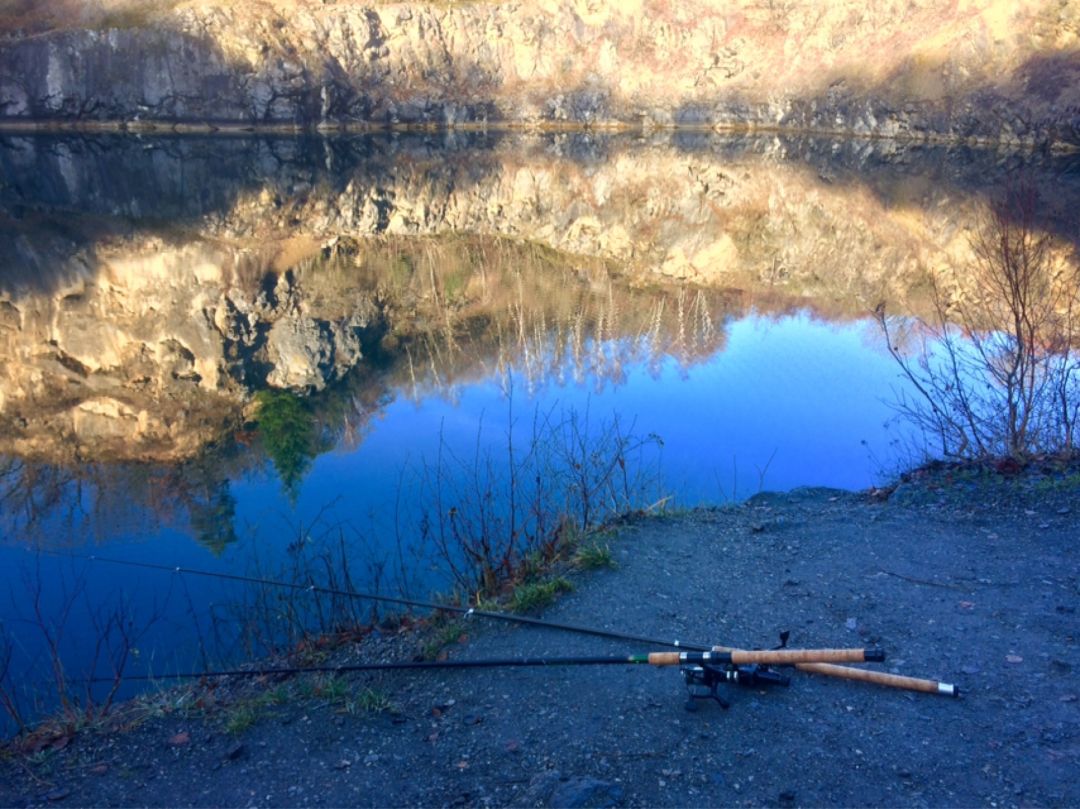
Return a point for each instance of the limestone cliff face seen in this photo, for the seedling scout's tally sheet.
(994, 70)
(159, 352)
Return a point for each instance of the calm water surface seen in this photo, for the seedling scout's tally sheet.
(417, 296)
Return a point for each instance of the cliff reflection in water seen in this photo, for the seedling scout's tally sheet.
(152, 288)
(112, 423)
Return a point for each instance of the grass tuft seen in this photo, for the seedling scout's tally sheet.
(241, 717)
(369, 700)
(593, 556)
(441, 638)
(534, 596)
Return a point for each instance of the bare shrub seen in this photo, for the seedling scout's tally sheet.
(113, 634)
(491, 519)
(317, 603)
(9, 699)
(996, 372)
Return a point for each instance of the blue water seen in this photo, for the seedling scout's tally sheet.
(789, 401)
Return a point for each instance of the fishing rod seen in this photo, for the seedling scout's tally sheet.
(703, 672)
(828, 669)
(468, 612)
(736, 657)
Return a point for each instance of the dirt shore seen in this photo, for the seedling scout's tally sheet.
(970, 578)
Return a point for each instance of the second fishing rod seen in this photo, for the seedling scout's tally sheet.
(813, 666)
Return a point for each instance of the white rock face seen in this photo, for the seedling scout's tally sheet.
(990, 70)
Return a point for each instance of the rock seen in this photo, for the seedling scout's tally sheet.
(558, 60)
(180, 739)
(551, 789)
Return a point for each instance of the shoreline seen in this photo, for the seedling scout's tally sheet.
(936, 484)
(645, 128)
(964, 579)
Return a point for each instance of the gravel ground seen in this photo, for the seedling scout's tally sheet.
(971, 579)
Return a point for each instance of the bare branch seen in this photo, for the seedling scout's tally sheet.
(998, 373)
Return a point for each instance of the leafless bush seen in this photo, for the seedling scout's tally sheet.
(489, 518)
(315, 605)
(996, 371)
(113, 635)
(9, 700)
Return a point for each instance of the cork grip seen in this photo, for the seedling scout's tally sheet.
(877, 677)
(881, 678)
(778, 657)
(664, 658)
(787, 657)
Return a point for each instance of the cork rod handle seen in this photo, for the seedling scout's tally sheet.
(877, 677)
(777, 657)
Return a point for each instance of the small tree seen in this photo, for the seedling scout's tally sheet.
(289, 433)
(998, 372)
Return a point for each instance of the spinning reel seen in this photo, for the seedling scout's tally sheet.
(702, 679)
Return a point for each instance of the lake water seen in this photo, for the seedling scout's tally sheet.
(261, 356)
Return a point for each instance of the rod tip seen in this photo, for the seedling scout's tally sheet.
(874, 655)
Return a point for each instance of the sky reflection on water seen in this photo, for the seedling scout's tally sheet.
(790, 401)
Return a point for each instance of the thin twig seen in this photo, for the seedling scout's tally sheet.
(927, 582)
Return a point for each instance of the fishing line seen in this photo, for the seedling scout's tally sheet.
(468, 612)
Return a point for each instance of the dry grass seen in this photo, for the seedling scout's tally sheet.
(42, 16)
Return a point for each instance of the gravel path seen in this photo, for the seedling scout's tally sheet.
(972, 580)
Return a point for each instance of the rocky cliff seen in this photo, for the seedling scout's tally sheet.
(988, 70)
